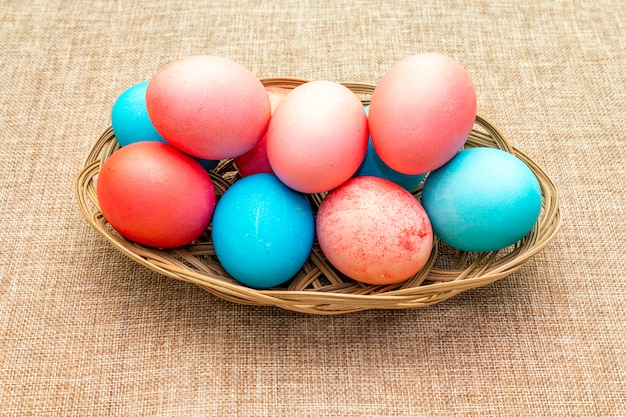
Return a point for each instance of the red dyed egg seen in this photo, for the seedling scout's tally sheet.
(155, 195)
(255, 160)
(208, 106)
(374, 231)
(421, 113)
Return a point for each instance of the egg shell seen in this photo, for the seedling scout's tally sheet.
(317, 137)
(374, 231)
(372, 165)
(208, 106)
(484, 199)
(155, 195)
(130, 121)
(255, 160)
(421, 113)
(129, 117)
(262, 231)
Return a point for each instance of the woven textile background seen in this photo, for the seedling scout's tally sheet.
(84, 331)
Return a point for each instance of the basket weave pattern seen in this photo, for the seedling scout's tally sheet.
(319, 288)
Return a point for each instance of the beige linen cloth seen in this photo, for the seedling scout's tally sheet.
(84, 331)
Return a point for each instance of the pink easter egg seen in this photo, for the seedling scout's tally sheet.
(317, 137)
(208, 106)
(374, 231)
(421, 113)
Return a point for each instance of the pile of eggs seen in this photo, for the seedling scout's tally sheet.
(315, 139)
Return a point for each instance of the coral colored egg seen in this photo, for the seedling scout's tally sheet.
(374, 231)
(317, 137)
(372, 165)
(255, 160)
(262, 231)
(421, 113)
(208, 106)
(155, 195)
(484, 199)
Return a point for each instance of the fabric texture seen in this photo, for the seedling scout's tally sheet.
(85, 331)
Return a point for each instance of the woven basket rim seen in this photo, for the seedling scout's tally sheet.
(437, 285)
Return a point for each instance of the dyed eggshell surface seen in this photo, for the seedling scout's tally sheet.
(155, 195)
(129, 117)
(484, 199)
(208, 106)
(374, 231)
(262, 231)
(372, 165)
(317, 137)
(255, 160)
(421, 113)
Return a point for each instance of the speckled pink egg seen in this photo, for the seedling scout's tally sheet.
(374, 231)
(421, 113)
(208, 106)
(317, 137)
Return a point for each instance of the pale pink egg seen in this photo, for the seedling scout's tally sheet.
(208, 106)
(255, 160)
(317, 137)
(374, 231)
(421, 113)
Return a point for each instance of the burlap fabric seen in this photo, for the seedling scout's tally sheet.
(86, 332)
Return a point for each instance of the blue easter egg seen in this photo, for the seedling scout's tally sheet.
(373, 166)
(483, 199)
(129, 117)
(262, 231)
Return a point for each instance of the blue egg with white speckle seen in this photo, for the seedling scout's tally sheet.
(262, 231)
(482, 200)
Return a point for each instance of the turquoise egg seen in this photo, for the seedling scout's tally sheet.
(373, 166)
(131, 123)
(129, 117)
(262, 231)
(482, 200)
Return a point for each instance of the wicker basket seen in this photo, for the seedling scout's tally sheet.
(319, 288)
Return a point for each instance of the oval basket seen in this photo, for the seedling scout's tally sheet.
(319, 288)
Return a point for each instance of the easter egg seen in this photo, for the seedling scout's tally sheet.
(155, 195)
(374, 231)
(372, 165)
(129, 117)
(255, 160)
(208, 106)
(484, 199)
(421, 113)
(317, 137)
(262, 231)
